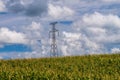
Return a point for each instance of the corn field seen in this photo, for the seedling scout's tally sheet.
(90, 67)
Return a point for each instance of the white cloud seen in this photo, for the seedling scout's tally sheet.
(26, 2)
(101, 20)
(34, 26)
(60, 11)
(8, 36)
(115, 50)
(64, 49)
(38, 37)
(72, 36)
(33, 31)
(99, 29)
(96, 31)
(73, 43)
(1, 57)
(2, 6)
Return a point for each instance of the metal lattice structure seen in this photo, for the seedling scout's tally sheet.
(52, 35)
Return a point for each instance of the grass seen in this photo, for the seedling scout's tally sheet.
(91, 67)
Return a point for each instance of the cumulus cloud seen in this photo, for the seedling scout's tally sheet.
(115, 50)
(78, 44)
(12, 37)
(101, 29)
(29, 8)
(102, 20)
(38, 37)
(60, 11)
(2, 6)
(1, 57)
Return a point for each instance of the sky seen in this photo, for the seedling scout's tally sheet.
(85, 27)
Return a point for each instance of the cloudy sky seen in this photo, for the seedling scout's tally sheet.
(85, 27)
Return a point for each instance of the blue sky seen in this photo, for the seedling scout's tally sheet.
(86, 27)
(15, 48)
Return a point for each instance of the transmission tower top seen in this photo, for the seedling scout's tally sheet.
(53, 23)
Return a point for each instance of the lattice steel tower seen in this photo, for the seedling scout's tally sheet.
(52, 35)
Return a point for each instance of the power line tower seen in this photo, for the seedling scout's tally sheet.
(52, 35)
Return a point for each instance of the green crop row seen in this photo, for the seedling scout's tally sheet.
(90, 67)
